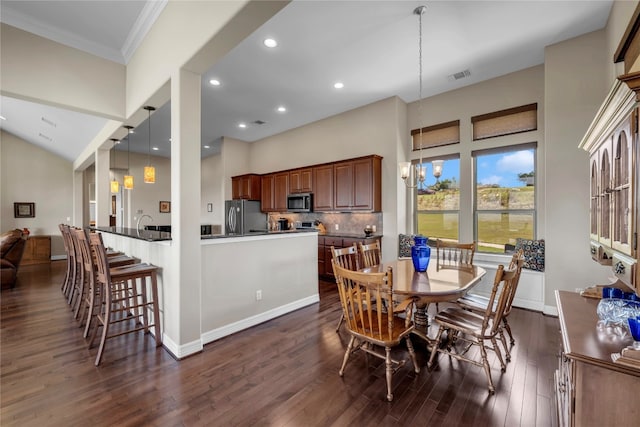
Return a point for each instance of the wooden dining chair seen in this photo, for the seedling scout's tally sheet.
(370, 253)
(370, 326)
(454, 253)
(465, 326)
(346, 258)
(479, 303)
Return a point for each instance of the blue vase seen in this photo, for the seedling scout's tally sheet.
(420, 253)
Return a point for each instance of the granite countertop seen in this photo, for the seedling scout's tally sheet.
(260, 233)
(148, 235)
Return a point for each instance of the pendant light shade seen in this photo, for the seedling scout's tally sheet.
(149, 171)
(115, 185)
(128, 179)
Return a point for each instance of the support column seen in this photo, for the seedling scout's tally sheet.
(183, 290)
(78, 199)
(103, 193)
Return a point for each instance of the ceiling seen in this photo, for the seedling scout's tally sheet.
(370, 46)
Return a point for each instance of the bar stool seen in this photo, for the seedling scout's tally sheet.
(64, 230)
(121, 299)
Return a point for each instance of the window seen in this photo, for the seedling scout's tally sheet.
(505, 198)
(438, 201)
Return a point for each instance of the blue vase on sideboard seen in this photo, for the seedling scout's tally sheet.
(420, 253)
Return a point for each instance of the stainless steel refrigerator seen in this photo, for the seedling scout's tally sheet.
(242, 216)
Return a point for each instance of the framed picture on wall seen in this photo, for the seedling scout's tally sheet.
(24, 210)
(165, 207)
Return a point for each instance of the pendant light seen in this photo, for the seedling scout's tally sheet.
(128, 179)
(414, 175)
(149, 171)
(115, 185)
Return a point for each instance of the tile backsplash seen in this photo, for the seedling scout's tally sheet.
(348, 223)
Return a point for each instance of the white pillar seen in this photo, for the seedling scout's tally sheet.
(78, 199)
(183, 289)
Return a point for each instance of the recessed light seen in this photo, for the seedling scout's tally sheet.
(338, 85)
(242, 125)
(214, 82)
(270, 43)
(155, 148)
(282, 109)
(207, 146)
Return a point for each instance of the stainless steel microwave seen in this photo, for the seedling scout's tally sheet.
(302, 202)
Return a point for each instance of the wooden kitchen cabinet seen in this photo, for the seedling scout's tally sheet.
(357, 184)
(323, 188)
(246, 187)
(37, 250)
(301, 181)
(591, 389)
(280, 191)
(266, 190)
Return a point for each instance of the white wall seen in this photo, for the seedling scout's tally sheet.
(31, 174)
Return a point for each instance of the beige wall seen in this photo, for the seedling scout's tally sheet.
(38, 69)
(31, 174)
(212, 190)
(575, 86)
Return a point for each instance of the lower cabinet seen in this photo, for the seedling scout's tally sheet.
(324, 251)
(592, 390)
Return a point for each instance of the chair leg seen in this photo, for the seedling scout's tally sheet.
(434, 349)
(487, 368)
(507, 352)
(496, 349)
(389, 372)
(412, 354)
(346, 355)
(105, 332)
(508, 328)
(340, 322)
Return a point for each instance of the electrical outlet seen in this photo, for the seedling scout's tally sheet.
(140, 211)
(258, 294)
(337, 227)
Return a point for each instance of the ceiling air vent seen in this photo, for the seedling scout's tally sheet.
(42, 135)
(459, 75)
(259, 122)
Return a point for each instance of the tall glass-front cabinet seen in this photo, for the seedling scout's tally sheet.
(612, 143)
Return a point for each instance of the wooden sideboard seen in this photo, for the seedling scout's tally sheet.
(592, 390)
(37, 250)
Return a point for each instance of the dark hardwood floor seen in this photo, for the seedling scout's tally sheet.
(281, 373)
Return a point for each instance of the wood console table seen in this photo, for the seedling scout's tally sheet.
(591, 390)
(37, 250)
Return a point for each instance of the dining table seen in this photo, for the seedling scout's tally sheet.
(439, 283)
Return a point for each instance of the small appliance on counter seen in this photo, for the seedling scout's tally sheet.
(242, 216)
(283, 224)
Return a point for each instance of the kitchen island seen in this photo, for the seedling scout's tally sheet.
(244, 281)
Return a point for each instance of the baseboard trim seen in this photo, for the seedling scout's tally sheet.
(232, 328)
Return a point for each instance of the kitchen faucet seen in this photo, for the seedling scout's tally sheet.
(140, 219)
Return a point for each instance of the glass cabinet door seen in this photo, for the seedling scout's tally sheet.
(605, 194)
(622, 188)
(594, 198)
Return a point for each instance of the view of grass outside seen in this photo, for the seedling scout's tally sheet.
(505, 201)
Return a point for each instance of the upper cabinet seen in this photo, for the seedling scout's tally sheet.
(301, 181)
(280, 191)
(267, 200)
(323, 188)
(357, 184)
(246, 187)
(612, 143)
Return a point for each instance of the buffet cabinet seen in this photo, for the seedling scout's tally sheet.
(592, 390)
(37, 250)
